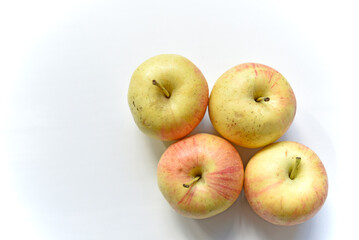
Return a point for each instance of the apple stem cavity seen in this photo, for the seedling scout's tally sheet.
(261, 99)
(187, 185)
(164, 90)
(294, 171)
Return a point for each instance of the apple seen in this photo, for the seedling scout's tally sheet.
(200, 176)
(252, 105)
(285, 183)
(167, 96)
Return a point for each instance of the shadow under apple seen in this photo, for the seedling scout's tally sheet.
(220, 226)
(254, 225)
(246, 153)
(206, 126)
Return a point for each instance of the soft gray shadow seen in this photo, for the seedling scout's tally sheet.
(169, 143)
(312, 229)
(246, 153)
(220, 226)
(251, 222)
(154, 151)
(206, 127)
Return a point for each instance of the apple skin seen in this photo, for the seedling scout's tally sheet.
(273, 195)
(238, 117)
(174, 117)
(215, 160)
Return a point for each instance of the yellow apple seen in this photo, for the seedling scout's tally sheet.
(252, 105)
(285, 183)
(167, 96)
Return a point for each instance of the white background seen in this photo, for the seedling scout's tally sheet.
(73, 164)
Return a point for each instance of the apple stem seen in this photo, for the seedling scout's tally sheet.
(164, 90)
(187, 185)
(260, 99)
(294, 171)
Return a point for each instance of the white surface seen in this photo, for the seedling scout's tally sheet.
(73, 164)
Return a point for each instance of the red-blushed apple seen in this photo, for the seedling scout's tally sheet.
(252, 105)
(285, 183)
(200, 176)
(167, 96)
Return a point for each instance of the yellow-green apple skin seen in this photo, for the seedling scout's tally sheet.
(277, 198)
(215, 161)
(173, 117)
(252, 105)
